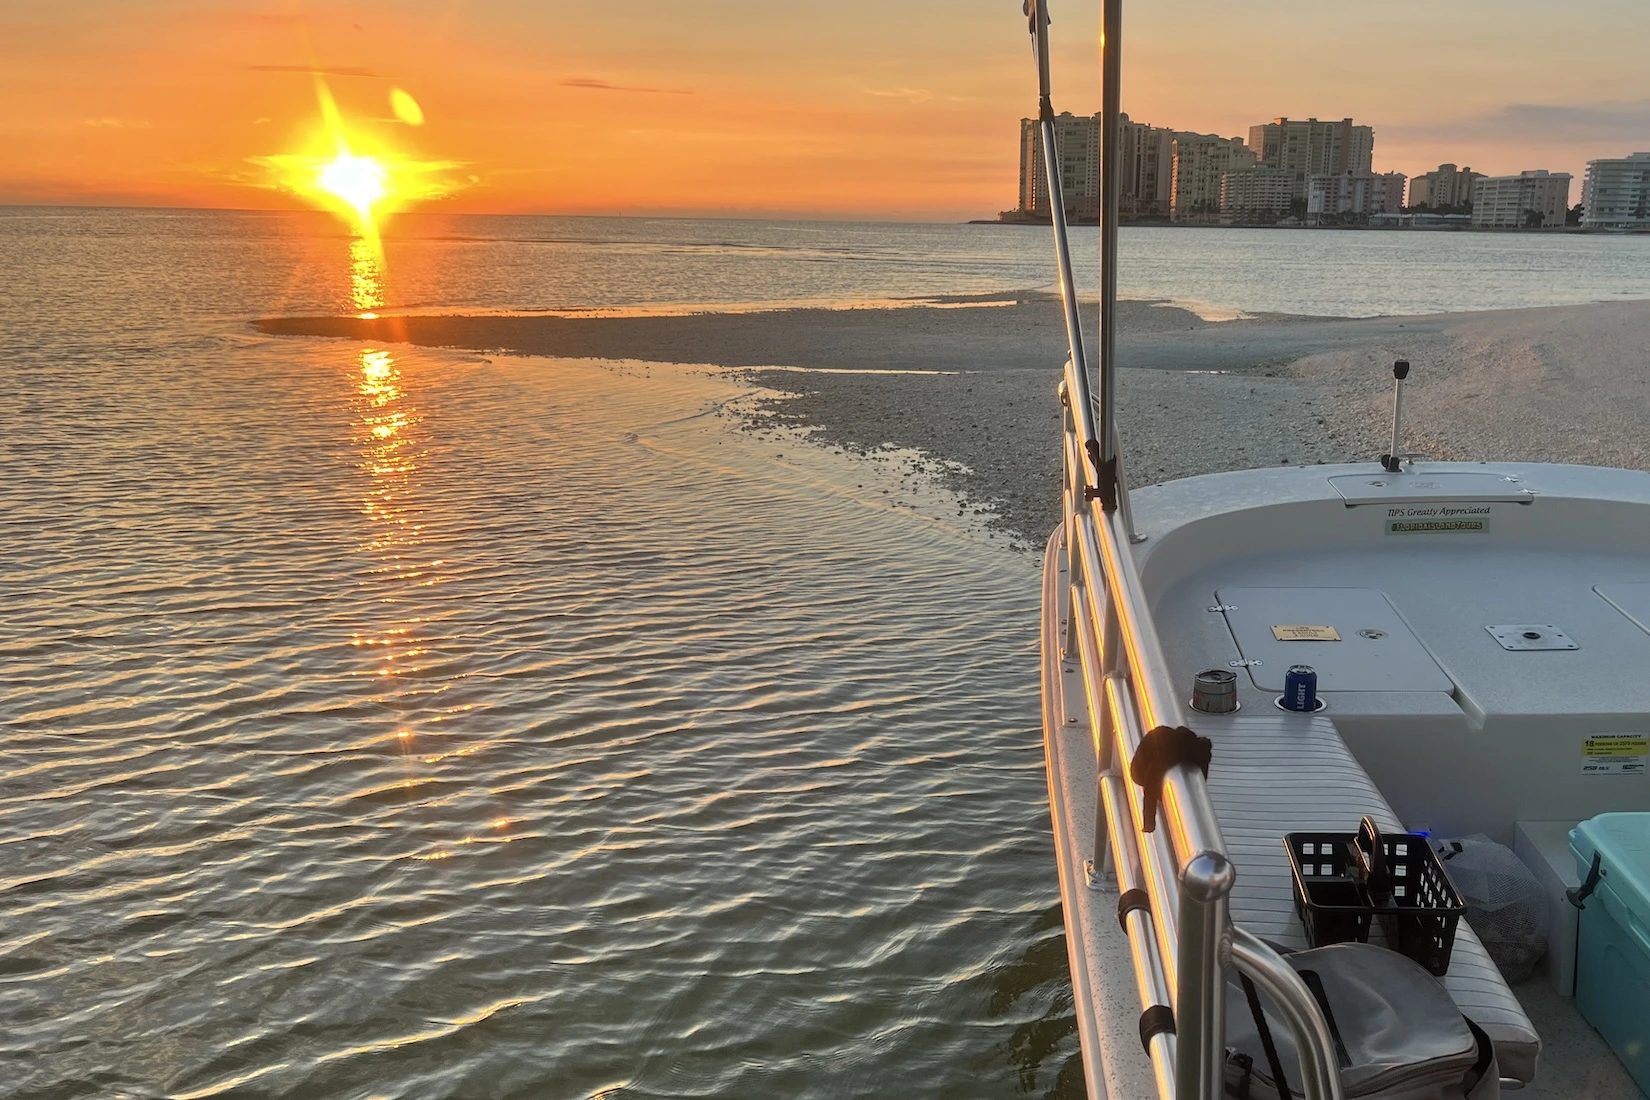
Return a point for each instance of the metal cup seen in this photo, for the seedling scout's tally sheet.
(1214, 691)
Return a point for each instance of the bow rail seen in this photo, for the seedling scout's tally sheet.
(1174, 882)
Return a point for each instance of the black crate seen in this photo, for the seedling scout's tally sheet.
(1329, 894)
(1342, 880)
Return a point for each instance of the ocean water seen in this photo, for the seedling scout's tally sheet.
(381, 721)
(389, 722)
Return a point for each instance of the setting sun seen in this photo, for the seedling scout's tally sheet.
(359, 181)
(353, 169)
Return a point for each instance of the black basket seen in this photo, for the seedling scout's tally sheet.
(1342, 880)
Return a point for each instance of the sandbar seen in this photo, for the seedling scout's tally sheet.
(971, 382)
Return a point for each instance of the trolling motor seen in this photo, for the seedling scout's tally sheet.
(1393, 461)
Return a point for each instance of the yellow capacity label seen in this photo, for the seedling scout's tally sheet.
(1616, 744)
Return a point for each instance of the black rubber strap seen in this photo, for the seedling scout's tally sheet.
(1321, 995)
(1163, 748)
(1156, 1020)
(1578, 895)
(1273, 1062)
(1130, 900)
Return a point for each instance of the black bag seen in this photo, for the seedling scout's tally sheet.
(1398, 1034)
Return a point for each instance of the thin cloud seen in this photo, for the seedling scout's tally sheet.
(604, 86)
(1620, 121)
(311, 71)
(910, 95)
(118, 123)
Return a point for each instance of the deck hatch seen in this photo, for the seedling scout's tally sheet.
(1380, 487)
(1373, 648)
(1632, 599)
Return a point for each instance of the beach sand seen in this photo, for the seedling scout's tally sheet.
(971, 382)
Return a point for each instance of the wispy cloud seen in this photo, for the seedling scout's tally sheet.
(1618, 119)
(309, 70)
(1622, 121)
(604, 86)
(910, 95)
(118, 123)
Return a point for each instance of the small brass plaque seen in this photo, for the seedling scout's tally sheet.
(1302, 633)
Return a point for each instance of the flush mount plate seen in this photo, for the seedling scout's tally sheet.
(1531, 636)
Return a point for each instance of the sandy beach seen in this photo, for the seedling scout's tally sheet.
(971, 382)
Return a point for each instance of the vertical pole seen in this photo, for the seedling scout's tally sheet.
(1394, 458)
(1200, 998)
(1111, 171)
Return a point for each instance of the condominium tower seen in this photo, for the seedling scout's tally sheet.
(1200, 162)
(1307, 148)
(1444, 188)
(1529, 200)
(1078, 139)
(1616, 193)
(1145, 184)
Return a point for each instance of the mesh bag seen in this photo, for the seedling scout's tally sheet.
(1505, 905)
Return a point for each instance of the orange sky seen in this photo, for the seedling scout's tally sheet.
(833, 107)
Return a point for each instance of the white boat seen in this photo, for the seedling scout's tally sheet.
(1480, 635)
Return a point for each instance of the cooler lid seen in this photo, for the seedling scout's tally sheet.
(1622, 841)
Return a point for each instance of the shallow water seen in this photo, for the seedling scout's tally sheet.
(383, 721)
(391, 722)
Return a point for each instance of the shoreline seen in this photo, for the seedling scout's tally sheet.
(974, 389)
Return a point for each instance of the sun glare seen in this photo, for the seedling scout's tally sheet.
(359, 181)
(353, 169)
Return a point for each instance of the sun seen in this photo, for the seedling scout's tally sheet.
(353, 169)
(358, 181)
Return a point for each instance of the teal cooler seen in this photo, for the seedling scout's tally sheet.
(1613, 944)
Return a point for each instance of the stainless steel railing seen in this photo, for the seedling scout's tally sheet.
(1182, 939)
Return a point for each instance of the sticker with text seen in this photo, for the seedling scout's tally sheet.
(1614, 754)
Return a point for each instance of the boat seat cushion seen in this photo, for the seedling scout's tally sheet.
(1280, 774)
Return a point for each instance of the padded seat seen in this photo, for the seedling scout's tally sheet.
(1280, 774)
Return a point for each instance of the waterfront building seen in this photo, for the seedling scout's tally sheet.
(1256, 194)
(1353, 197)
(1616, 193)
(1307, 148)
(1444, 188)
(1147, 168)
(1147, 185)
(1078, 139)
(1529, 200)
(1200, 160)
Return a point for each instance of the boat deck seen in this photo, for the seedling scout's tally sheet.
(1414, 597)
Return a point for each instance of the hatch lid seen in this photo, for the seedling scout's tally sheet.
(1631, 599)
(1375, 650)
(1380, 487)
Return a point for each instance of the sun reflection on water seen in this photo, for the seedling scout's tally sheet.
(390, 450)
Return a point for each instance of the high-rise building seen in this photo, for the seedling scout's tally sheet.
(1444, 188)
(1616, 193)
(1148, 170)
(1078, 139)
(1353, 197)
(1307, 148)
(1529, 200)
(1200, 160)
(1256, 194)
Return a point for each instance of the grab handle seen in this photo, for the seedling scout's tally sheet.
(1373, 856)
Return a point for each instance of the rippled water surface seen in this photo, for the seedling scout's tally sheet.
(386, 722)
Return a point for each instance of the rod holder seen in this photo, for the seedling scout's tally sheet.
(1393, 460)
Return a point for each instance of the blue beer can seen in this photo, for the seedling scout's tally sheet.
(1300, 688)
